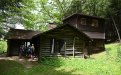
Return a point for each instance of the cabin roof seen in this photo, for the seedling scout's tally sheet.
(62, 27)
(90, 35)
(22, 34)
(95, 35)
(80, 14)
(29, 34)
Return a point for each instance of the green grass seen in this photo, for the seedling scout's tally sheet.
(11, 68)
(105, 63)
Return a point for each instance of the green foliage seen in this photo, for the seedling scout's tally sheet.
(89, 7)
(9, 9)
(3, 46)
(53, 11)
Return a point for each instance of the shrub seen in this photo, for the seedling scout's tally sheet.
(3, 46)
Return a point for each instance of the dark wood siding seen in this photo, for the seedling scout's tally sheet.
(71, 21)
(46, 47)
(88, 26)
(76, 20)
(13, 47)
(97, 46)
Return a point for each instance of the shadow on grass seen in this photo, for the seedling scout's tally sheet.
(9, 67)
(48, 66)
(55, 61)
(49, 70)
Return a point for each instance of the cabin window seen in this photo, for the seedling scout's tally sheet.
(83, 21)
(94, 23)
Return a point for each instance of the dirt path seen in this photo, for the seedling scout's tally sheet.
(28, 63)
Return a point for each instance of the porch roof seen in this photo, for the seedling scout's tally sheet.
(95, 35)
(22, 34)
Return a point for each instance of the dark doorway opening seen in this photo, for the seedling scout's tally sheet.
(57, 46)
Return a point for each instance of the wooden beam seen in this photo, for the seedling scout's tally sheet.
(8, 48)
(52, 51)
(74, 47)
(89, 47)
(65, 48)
(84, 45)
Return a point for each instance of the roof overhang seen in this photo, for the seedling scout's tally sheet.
(80, 14)
(95, 35)
(21, 34)
(62, 27)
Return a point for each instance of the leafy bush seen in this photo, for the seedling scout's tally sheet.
(3, 46)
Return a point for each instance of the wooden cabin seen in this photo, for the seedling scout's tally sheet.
(79, 36)
(18, 37)
(64, 41)
(92, 26)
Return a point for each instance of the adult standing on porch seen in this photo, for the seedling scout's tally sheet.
(33, 49)
(21, 51)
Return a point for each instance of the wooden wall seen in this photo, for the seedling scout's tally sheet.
(71, 21)
(66, 49)
(97, 46)
(13, 47)
(45, 46)
(76, 20)
(36, 42)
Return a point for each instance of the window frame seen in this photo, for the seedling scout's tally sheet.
(95, 23)
(83, 21)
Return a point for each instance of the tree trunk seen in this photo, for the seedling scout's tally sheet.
(116, 30)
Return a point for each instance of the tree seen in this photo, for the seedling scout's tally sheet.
(9, 10)
(54, 10)
(114, 19)
(89, 7)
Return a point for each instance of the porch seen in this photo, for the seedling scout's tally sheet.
(18, 37)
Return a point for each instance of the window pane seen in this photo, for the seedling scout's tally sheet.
(83, 21)
(94, 23)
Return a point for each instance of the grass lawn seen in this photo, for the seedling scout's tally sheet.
(105, 63)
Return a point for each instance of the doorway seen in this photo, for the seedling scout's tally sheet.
(57, 46)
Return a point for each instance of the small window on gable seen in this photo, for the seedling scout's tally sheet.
(83, 21)
(94, 23)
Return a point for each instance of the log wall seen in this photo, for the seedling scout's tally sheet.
(46, 47)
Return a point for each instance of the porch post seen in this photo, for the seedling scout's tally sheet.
(65, 48)
(26, 44)
(52, 51)
(89, 47)
(74, 47)
(8, 48)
